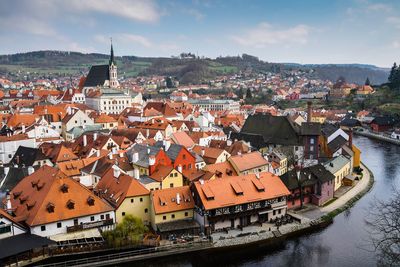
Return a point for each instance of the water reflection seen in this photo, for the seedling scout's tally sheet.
(344, 243)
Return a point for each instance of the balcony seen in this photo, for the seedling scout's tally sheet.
(84, 226)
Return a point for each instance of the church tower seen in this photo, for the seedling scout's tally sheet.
(113, 70)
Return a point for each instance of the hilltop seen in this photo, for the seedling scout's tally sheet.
(187, 70)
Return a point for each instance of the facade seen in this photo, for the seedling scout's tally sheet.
(339, 167)
(215, 105)
(74, 119)
(239, 201)
(8, 225)
(109, 101)
(10, 144)
(172, 211)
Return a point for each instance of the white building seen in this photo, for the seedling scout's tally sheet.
(10, 144)
(215, 105)
(111, 101)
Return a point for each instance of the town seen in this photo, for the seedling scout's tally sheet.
(81, 158)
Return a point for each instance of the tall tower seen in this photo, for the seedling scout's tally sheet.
(113, 69)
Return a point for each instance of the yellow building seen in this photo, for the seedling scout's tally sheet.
(357, 157)
(163, 177)
(318, 118)
(172, 206)
(126, 194)
(340, 167)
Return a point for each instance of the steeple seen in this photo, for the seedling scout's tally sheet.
(111, 55)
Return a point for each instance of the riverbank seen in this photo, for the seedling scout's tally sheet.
(376, 136)
(264, 235)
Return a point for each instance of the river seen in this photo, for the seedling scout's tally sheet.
(343, 243)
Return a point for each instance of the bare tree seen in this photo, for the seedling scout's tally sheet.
(384, 225)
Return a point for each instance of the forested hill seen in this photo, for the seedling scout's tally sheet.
(188, 70)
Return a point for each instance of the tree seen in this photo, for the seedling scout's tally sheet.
(129, 231)
(240, 93)
(169, 82)
(392, 72)
(367, 82)
(248, 94)
(384, 225)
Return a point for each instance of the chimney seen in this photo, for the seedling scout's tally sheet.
(147, 133)
(94, 136)
(309, 111)
(167, 144)
(98, 153)
(31, 170)
(70, 91)
(203, 151)
(110, 155)
(117, 172)
(121, 154)
(180, 168)
(8, 202)
(152, 160)
(229, 142)
(350, 138)
(84, 140)
(23, 128)
(136, 173)
(239, 153)
(178, 199)
(114, 150)
(135, 157)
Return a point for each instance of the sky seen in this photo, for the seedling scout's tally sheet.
(306, 32)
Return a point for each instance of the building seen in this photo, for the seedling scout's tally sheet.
(172, 212)
(9, 145)
(110, 101)
(215, 105)
(340, 167)
(102, 75)
(125, 194)
(252, 162)
(8, 225)
(51, 203)
(239, 201)
(75, 118)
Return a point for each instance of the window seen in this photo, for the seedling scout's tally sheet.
(186, 213)
(59, 225)
(123, 213)
(172, 216)
(279, 211)
(274, 212)
(171, 175)
(176, 174)
(141, 199)
(9, 156)
(131, 200)
(311, 148)
(76, 121)
(312, 141)
(184, 156)
(102, 216)
(164, 217)
(171, 185)
(91, 218)
(146, 210)
(43, 228)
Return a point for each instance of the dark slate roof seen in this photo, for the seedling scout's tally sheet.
(274, 129)
(383, 121)
(14, 176)
(350, 122)
(337, 143)
(97, 76)
(144, 153)
(27, 156)
(17, 244)
(310, 128)
(328, 129)
(309, 176)
(256, 140)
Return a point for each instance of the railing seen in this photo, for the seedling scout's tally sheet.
(83, 226)
(119, 257)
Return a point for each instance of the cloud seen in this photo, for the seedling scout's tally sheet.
(396, 44)
(194, 13)
(395, 21)
(379, 7)
(138, 10)
(265, 34)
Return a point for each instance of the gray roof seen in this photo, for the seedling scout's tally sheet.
(336, 164)
(144, 179)
(144, 153)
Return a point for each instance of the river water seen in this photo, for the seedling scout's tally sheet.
(343, 243)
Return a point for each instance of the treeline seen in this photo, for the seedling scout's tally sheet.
(394, 77)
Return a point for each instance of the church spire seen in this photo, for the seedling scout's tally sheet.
(112, 54)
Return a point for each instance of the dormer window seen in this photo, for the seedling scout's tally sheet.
(64, 188)
(50, 207)
(17, 194)
(71, 204)
(90, 201)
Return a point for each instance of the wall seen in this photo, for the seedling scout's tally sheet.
(51, 228)
(179, 215)
(176, 179)
(136, 208)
